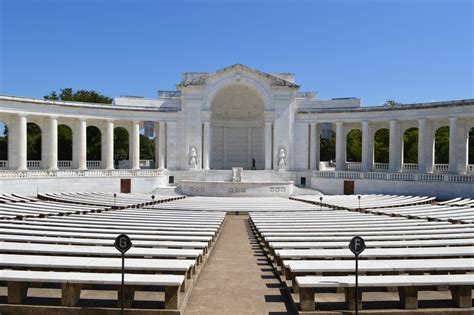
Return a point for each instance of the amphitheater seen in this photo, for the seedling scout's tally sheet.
(247, 207)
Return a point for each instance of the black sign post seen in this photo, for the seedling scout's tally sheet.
(123, 244)
(153, 197)
(358, 197)
(115, 196)
(321, 203)
(357, 246)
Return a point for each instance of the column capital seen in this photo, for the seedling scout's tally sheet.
(206, 123)
(82, 118)
(110, 120)
(365, 122)
(136, 121)
(54, 117)
(22, 115)
(420, 120)
(393, 121)
(453, 118)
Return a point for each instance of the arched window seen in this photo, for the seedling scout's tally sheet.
(64, 143)
(33, 137)
(121, 147)
(410, 146)
(442, 145)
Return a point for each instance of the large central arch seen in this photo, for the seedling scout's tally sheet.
(237, 125)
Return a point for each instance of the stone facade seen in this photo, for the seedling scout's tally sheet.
(237, 117)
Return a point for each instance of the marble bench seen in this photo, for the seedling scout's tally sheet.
(71, 284)
(408, 286)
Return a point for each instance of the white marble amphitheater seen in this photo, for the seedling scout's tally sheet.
(241, 211)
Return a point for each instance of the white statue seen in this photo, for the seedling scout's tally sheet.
(192, 158)
(281, 159)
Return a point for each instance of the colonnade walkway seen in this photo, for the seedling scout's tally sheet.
(237, 278)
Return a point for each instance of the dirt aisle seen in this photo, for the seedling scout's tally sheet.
(237, 279)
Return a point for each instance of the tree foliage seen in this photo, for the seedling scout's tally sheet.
(64, 143)
(4, 144)
(147, 148)
(410, 146)
(88, 96)
(381, 145)
(442, 145)
(328, 148)
(33, 137)
(94, 143)
(354, 146)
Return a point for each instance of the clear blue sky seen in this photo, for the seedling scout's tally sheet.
(409, 51)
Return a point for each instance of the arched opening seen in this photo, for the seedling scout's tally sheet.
(237, 129)
(470, 150)
(3, 145)
(147, 146)
(410, 149)
(33, 138)
(354, 146)
(381, 149)
(64, 146)
(441, 149)
(121, 148)
(94, 147)
(442, 145)
(327, 146)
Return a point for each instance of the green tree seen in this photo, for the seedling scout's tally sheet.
(4, 144)
(442, 145)
(410, 146)
(328, 148)
(33, 137)
(88, 96)
(121, 144)
(471, 146)
(147, 148)
(64, 143)
(94, 143)
(381, 145)
(354, 146)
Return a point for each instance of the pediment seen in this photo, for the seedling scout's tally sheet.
(200, 79)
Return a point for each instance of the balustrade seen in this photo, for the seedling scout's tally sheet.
(3, 164)
(64, 164)
(32, 164)
(380, 166)
(353, 166)
(93, 164)
(441, 168)
(410, 167)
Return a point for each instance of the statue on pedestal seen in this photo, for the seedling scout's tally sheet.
(281, 159)
(192, 159)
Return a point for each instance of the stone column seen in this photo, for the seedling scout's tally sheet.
(395, 148)
(109, 134)
(135, 145)
(453, 141)
(53, 143)
(161, 145)
(206, 145)
(423, 150)
(367, 154)
(268, 145)
(313, 146)
(22, 145)
(82, 144)
(340, 147)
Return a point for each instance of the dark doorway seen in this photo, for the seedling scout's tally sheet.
(348, 187)
(303, 182)
(125, 185)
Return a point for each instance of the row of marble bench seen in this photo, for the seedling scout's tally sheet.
(310, 250)
(76, 252)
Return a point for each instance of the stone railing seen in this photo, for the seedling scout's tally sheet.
(3, 164)
(93, 164)
(77, 173)
(33, 164)
(64, 164)
(380, 167)
(469, 179)
(441, 168)
(410, 167)
(353, 166)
